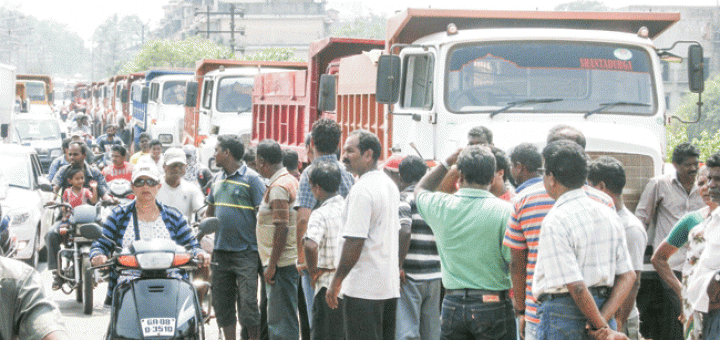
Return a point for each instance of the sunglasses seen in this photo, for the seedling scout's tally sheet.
(143, 181)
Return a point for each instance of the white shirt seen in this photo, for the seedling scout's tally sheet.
(637, 238)
(580, 240)
(707, 267)
(187, 197)
(371, 213)
(160, 163)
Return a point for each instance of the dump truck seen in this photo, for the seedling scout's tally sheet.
(40, 91)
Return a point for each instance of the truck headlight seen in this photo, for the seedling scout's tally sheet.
(165, 138)
(18, 217)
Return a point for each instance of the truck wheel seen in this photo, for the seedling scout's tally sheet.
(87, 286)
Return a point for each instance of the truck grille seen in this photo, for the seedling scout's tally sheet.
(638, 171)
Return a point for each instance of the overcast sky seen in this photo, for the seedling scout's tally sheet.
(83, 16)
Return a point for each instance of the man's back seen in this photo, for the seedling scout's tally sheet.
(469, 227)
(371, 213)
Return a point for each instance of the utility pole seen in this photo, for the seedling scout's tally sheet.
(232, 13)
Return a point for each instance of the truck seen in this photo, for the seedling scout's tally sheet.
(7, 102)
(219, 101)
(40, 91)
(443, 72)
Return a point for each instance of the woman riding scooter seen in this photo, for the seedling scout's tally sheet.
(143, 219)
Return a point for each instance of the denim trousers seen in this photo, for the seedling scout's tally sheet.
(282, 305)
(561, 319)
(309, 294)
(418, 310)
(470, 318)
(711, 325)
(531, 330)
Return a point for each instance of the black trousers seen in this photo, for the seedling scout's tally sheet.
(659, 309)
(369, 319)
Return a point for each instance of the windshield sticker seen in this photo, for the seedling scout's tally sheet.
(623, 54)
(605, 64)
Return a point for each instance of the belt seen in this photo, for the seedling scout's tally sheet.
(602, 291)
(486, 295)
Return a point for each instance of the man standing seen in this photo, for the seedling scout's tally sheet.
(276, 241)
(607, 175)
(144, 142)
(368, 275)
(665, 200)
(499, 187)
(525, 163)
(469, 226)
(323, 143)
(583, 262)
(236, 192)
(156, 155)
(174, 190)
(478, 135)
(109, 139)
(418, 315)
(119, 167)
(523, 231)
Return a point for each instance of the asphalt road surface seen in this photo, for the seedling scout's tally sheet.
(87, 327)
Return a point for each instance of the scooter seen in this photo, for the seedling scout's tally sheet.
(153, 306)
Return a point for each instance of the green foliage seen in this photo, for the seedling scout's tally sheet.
(582, 5)
(704, 134)
(274, 54)
(175, 54)
(371, 26)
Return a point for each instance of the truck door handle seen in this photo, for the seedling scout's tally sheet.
(416, 117)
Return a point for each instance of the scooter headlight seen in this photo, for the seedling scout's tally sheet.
(19, 217)
(155, 260)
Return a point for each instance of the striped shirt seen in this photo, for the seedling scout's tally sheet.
(580, 240)
(235, 197)
(523, 231)
(422, 261)
(323, 226)
(305, 198)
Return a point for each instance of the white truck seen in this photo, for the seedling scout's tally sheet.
(7, 102)
(165, 105)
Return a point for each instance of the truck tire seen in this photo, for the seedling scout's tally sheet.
(87, 286)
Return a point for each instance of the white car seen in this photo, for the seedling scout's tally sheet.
(28, 191)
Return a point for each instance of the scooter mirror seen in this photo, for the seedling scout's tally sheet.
(91, 231)
(209, 225)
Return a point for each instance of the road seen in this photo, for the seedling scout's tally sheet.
(88, 327)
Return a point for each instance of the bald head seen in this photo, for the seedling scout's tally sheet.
(566, 132)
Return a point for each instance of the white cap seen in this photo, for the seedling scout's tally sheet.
(145, 168)
(175, 155)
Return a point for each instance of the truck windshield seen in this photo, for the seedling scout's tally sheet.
(174, 92)
(37, 129)
(578, 77)
(36, 90)
(235, 94)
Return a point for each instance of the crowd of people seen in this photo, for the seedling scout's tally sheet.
(537, 244)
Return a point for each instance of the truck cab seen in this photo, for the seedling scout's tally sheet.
(165, 107)
(40, 92)
(224, 103)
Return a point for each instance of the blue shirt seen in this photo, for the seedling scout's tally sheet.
(236, 197)
(55, 166)
(306, 199)
(103, 142)
(528, 183)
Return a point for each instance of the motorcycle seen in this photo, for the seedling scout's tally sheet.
(73, 260)
(121, 190)
(153, 305)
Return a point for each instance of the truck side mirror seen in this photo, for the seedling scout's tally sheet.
(696, 69)
(51, 96)
(124, 96)
(23, 106)
(327, 95)
(145, 95)
(4, 130)
(387, 88)
(191, 94)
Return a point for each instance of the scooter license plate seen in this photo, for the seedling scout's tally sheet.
(158, 327)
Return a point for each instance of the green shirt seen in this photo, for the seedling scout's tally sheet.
(679, 234)
(469, 228)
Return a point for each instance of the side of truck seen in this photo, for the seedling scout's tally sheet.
(7, 102)
(219, 101)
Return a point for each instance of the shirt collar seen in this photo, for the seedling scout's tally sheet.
(570, 195)
(475, 193)
(332, 200)
(239, 171)
(330, 157)
(277, 174)
(528, 183)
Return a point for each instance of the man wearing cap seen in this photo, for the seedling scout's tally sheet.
(176, 191)
(143, 219)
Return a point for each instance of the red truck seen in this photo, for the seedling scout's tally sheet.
(285, 104)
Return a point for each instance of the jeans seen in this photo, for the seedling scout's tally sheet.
(711, 325)
(531, 330)
(470, 318)
(561, 319)
(53, 240)
(369, 319)
(235, 281)
(282, 305)
(309, 294)
(418, 310)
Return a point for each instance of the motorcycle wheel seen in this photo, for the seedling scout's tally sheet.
(87, 286)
